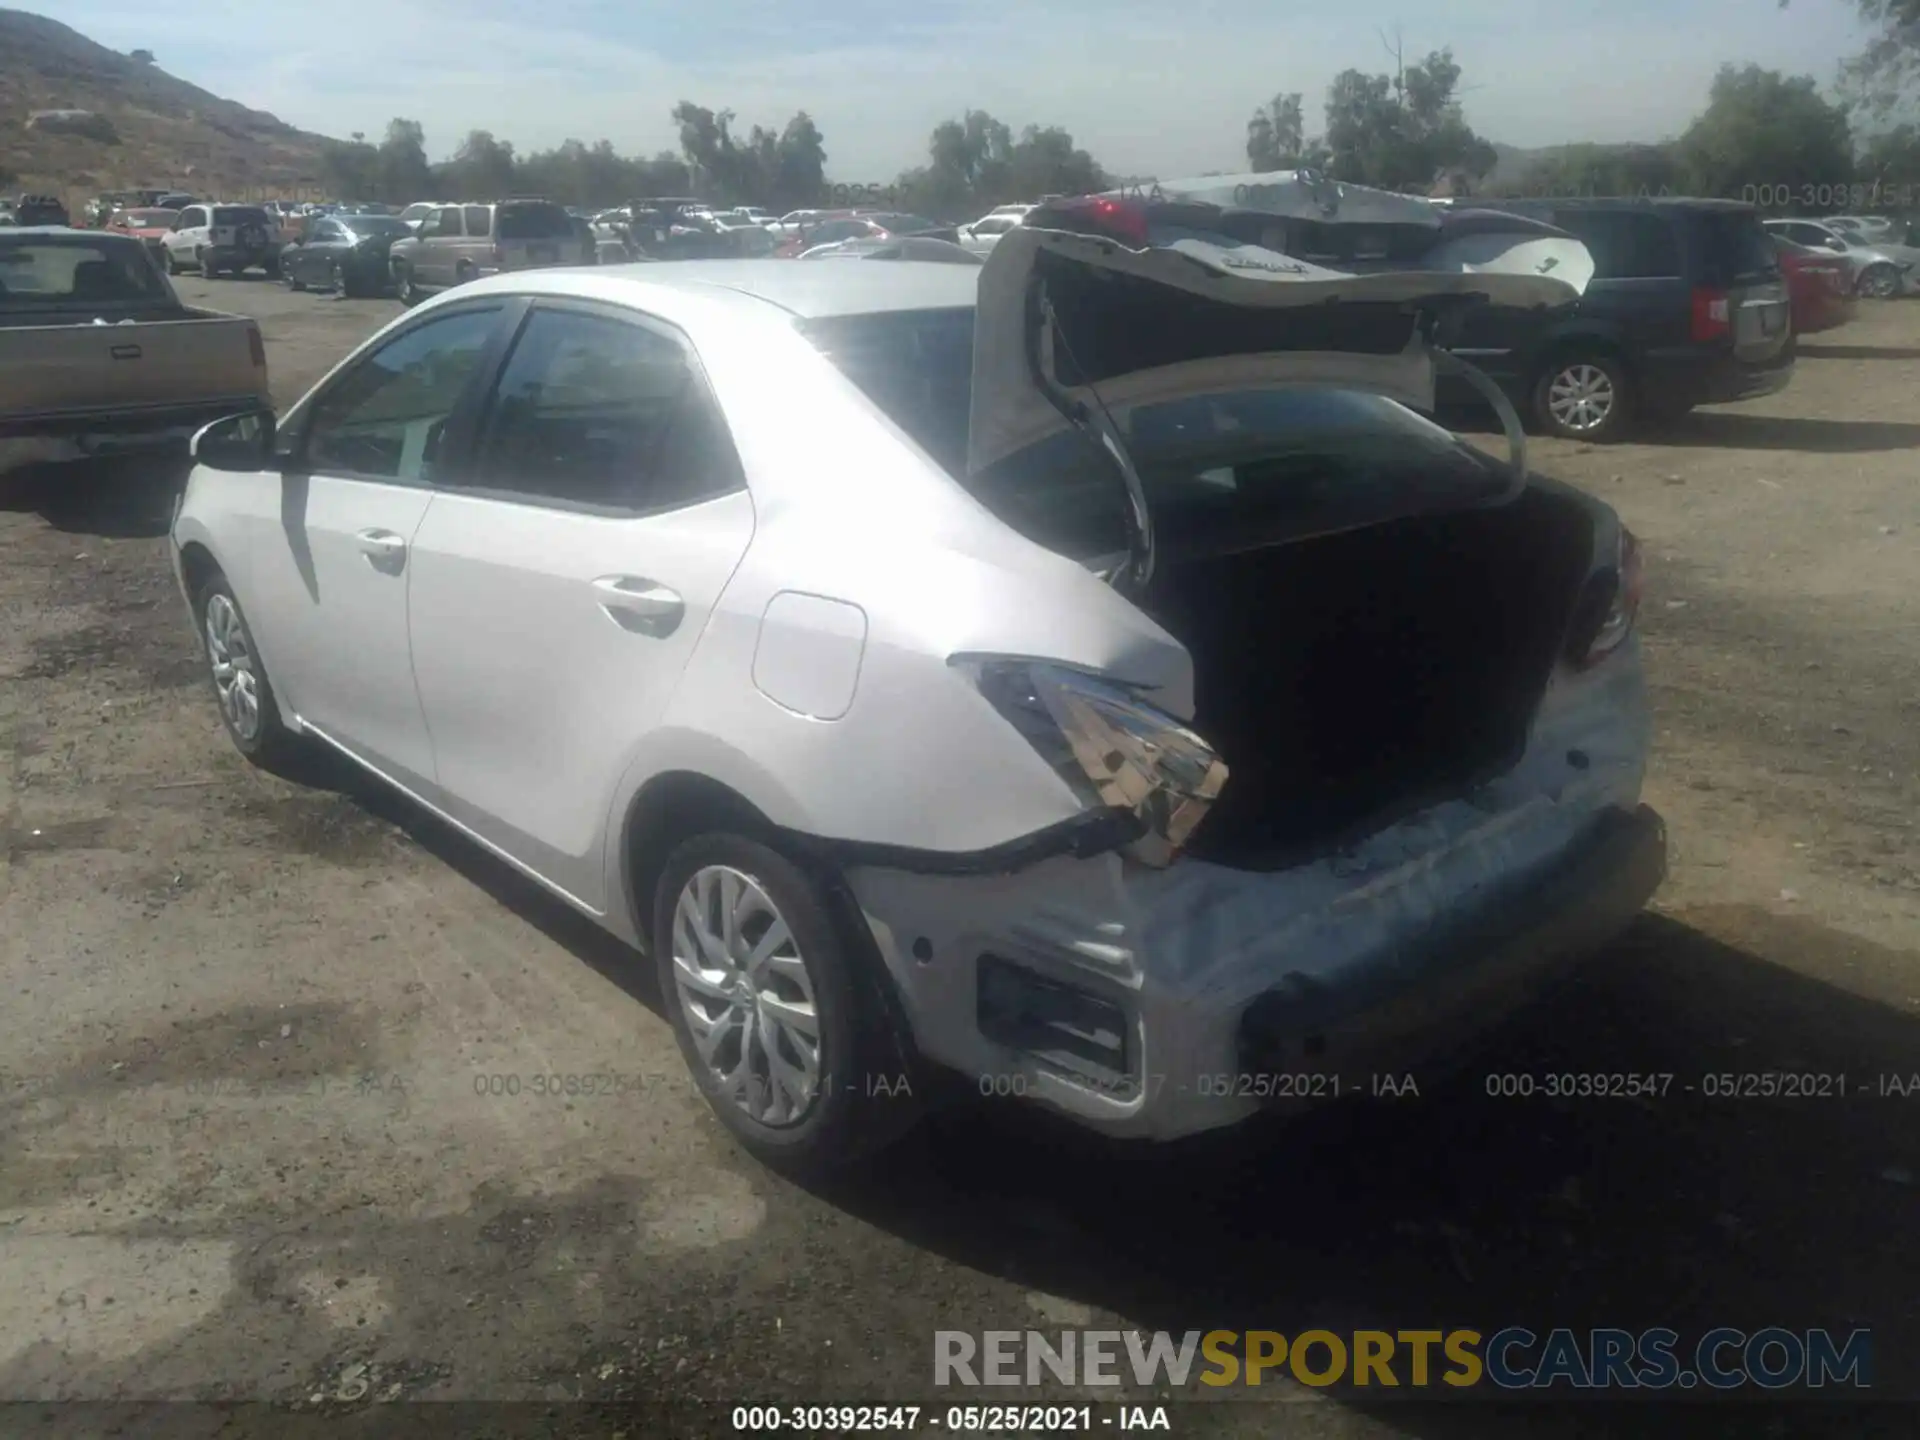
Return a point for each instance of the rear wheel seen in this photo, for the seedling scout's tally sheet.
(1582, 395)
(787, 1044)
(409, 293)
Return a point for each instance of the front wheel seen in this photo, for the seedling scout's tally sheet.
(290, 278)
(1582, 396)
(763, 988)
(248, 708)
(1879, 282)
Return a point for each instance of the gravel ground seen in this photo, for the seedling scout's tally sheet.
(251, 1146)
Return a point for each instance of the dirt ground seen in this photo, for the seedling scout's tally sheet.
(256, 1040)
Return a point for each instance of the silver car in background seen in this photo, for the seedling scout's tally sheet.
(1879, 271)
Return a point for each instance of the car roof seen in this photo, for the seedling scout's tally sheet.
(809, 292)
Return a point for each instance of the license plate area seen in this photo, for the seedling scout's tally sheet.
(542, 254)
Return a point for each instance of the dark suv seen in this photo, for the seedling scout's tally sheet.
(1687, 307)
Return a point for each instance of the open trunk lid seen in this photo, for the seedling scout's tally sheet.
(1237, 282)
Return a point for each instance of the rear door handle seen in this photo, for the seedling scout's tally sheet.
(640, 605)
(384, 549)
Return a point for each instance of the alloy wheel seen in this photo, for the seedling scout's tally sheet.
(231, 658)
(1878, 283)
(1580, 397)
(747, 996)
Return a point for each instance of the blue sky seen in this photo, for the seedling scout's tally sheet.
(1151, 87)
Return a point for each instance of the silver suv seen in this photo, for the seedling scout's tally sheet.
(458, 243)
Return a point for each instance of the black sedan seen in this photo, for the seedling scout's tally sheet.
(346, 254)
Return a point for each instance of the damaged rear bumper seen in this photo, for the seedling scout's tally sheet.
(1159, 1003)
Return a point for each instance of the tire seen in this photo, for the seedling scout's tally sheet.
(845, 1114)
(257, 731)
(200, 263)
(171, 265)
(463, 274)
(403, 286)
(291, 280)
(337, 281)
(272, 267)
(1583, 395)
(1879, 282)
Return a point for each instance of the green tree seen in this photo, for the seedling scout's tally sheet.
(1404, 129)
(1276, 135)
(402, 174)
(482, 168)
(975, 163)
(1580, 170)
(1765, 129)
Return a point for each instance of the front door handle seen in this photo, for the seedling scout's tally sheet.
(384, 549)
(640, 605)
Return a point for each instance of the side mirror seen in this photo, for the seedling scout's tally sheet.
(241, 442)
(1836, 244)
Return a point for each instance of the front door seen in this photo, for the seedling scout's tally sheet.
(330, 572)
(561, 582)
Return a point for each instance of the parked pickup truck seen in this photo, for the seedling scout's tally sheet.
(97, 353)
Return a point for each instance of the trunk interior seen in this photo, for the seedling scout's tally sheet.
(1350, 679)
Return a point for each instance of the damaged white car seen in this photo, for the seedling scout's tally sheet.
(1088, 673)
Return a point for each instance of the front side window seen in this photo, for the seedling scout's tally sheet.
(384, 419)
(194, 218)
(447, 222)
(596, 411)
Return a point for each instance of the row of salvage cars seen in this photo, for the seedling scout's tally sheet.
(1090, 673)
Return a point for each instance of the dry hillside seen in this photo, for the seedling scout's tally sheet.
(144, 127)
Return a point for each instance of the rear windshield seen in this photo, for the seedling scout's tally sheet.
(1735, 247)
(39, 273)
(1243, 467)
(240, 215)
(535, 222)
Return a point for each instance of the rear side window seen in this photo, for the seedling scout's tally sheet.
(917, 366)
(1626, 244)
(1734, 247)
(535, 222)
(603, 413)
(479, 220)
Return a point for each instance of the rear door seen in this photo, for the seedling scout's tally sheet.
(534, 233)
(1640, 290)
(560, 586)
(1735, 259)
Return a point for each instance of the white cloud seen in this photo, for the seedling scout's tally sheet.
(1147, 87)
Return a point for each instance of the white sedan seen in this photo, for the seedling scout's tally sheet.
(806, 627)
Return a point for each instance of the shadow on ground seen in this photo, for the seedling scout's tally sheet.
(123, 497)
(1814, 350)
(1458, 1208)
